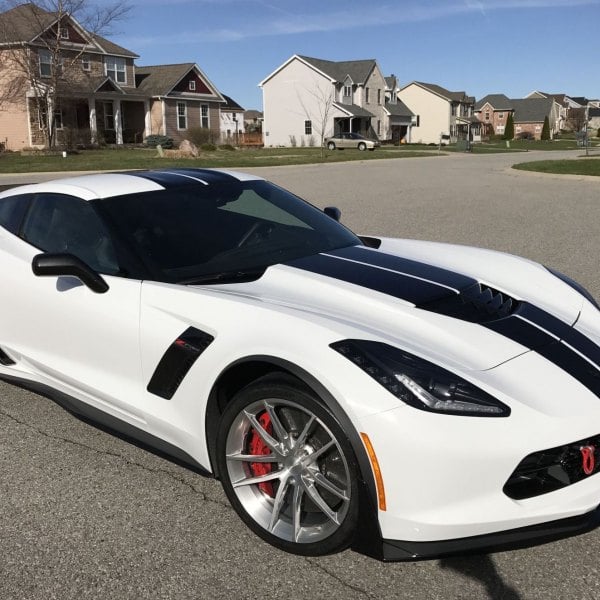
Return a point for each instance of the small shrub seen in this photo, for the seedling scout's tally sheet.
(311, 141)
(159, 140)
(200, 135)
(208, 147)
(227, 147)
(293, 142)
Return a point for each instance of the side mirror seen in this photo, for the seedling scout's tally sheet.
(68, 265)
(334, 212)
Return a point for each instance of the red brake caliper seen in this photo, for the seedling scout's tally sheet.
(257, 447)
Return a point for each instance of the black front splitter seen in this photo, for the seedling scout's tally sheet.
(512, 539)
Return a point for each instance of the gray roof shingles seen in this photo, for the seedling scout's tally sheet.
(159, 80)
(440, 91)
(358, 70)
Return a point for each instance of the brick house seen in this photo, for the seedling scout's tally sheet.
(101, 96)
(528, 114)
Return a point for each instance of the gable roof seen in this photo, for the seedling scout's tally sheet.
(231, 105)
(159, 80)
(531, 110)
(26, 22)
(444, 93)
(357, 70)
(398, 109)
(496, 101)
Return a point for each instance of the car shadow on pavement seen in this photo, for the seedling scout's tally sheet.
(482, 569)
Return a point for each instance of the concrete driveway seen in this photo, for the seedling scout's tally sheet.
(84, 514)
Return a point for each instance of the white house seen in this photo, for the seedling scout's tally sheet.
(232, 121)
(307, 99)
(440, 114)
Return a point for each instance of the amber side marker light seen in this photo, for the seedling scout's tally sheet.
(376, 470)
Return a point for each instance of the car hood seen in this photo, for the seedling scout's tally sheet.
(457, 305)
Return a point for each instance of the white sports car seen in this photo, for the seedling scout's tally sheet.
(409, 399)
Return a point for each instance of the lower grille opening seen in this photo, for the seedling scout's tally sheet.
(549, 470)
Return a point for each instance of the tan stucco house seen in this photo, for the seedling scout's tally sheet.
(107, 98)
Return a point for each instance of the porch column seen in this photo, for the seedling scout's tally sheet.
(118, 122)
(93, 123)
(147, 119)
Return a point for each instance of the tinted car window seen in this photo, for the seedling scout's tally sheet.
(12, 211)
(60, 223)
(193, 231)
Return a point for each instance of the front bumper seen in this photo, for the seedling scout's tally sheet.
(396, 550)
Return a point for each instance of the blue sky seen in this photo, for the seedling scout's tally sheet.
(479, 46)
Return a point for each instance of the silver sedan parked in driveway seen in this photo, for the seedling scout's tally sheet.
(351, 140)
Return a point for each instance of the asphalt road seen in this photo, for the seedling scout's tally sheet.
(84, 514)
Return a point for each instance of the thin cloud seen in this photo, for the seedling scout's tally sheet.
(286, 22)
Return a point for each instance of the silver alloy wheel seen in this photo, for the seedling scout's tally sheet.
(307, 469)
(362, 146)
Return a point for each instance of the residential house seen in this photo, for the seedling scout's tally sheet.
(440, 115)
(528, 115)
(400, 117)
(105, 97)
(307, 98)
(594, 120)
(232, 121)
(568, 108)
(253, 120)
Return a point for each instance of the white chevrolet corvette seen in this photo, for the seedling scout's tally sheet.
(408, 399)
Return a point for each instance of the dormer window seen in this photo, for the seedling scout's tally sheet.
(64, 33)
(45, 63)
(192, 86)
(115, 69)
(347, 91)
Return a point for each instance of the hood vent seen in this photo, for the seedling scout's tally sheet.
(477, 303)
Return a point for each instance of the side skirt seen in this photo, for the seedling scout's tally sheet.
(111, 424)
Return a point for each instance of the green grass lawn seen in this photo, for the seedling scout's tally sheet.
(145, 158)
(581, 166)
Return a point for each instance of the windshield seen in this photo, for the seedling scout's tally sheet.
(196, 231)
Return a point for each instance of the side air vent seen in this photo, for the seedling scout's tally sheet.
(5, 359)
(477, 303)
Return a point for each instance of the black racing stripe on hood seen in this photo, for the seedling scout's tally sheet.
(377, 258)
(381, 280)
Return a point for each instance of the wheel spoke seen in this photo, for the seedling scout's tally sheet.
(278, 503)
(321, 480)
(279, 429)
(314, 495)
(311, 458)
(302, 437)
(254, 458)
(266, 437)
(297, 507)
(258, 479)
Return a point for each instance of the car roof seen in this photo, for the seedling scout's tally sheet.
(107, 185)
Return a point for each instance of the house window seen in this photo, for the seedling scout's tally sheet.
(115, 69)
(378, 96)
(58, 119)
(109, 116)
(45, 63)
(308, 127)
(85, 63)
(366, 95)
(487, 116)
(204, 116)
(518, 128)
(181, 115)
(347, 91)
(453, 110)
(499, 128)
(192, 86)
(501, 115)
(64, 33)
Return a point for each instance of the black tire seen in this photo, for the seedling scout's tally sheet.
(362, 146)
(331, 146)
(309, 506)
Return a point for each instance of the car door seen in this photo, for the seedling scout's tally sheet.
(59, 329)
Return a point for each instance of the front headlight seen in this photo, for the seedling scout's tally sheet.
(418, 382)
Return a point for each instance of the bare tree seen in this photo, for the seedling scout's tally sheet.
(38, 57)
(576, 119)
(319, 111)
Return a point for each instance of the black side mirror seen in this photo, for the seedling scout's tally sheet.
(68, 265)
(334, 212)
